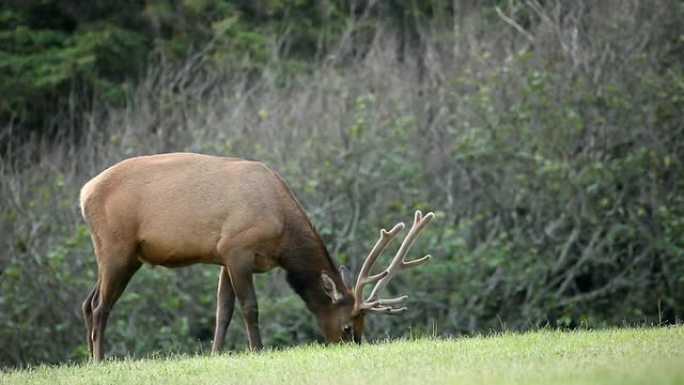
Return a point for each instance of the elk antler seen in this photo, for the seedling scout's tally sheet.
(372, 303)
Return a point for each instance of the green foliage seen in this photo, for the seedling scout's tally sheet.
(49, 54)
(54, 52)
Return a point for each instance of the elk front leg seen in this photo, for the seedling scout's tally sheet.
(240, 268)
(225, 302)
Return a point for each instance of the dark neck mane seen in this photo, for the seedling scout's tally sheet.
(305, 257)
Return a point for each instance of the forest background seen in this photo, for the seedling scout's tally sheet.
(546, 135)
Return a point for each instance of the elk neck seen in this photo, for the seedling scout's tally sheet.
(304, 258)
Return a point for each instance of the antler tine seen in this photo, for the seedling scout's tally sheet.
(387, 309)
(398, 263)
(363, 279)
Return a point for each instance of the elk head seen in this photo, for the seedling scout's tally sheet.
(343, 320)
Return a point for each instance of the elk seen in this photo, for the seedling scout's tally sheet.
(179, 209)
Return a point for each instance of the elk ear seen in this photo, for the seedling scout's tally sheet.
(330, 289)
(346, 276)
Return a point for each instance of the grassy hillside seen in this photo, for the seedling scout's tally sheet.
(628, 356)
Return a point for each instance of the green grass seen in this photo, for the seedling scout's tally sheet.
(622, 356)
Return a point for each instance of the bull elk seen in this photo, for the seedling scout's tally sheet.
(178, 209)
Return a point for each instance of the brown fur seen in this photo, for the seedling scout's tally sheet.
(178, 209)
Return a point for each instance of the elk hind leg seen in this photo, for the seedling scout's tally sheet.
(113, 278)
(87, 309)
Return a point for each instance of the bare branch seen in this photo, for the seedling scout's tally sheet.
(513, 24)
